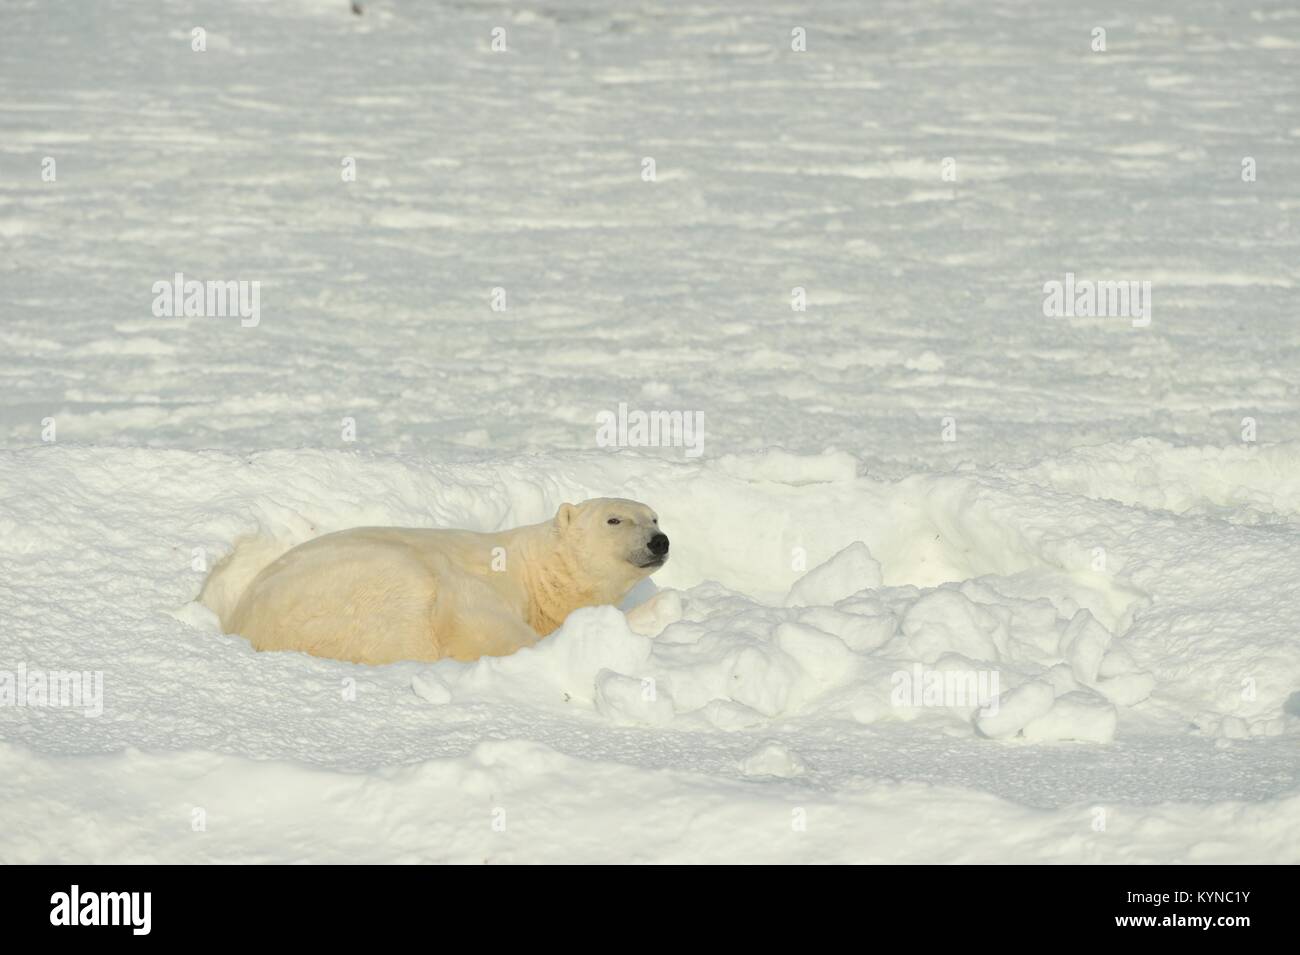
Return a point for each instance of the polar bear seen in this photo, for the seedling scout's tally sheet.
(382, 594)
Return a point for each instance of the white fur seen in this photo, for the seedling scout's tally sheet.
(380, 594)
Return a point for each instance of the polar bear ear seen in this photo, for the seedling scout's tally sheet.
(565, 515)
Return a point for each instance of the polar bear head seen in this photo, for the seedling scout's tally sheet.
(614, 542)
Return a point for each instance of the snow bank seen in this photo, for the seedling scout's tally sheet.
(702, 668)
(945, 608)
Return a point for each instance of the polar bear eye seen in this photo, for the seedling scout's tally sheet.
(612, 520)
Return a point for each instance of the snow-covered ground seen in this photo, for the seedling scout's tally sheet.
(918, 480)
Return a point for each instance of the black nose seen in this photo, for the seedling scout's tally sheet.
(659, 545)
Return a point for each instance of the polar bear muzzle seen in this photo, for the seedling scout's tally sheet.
(656, 554)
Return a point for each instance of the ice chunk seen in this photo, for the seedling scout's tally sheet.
(1012, 711)
(851, 570)
(1127, 688)
(1083, 644)
(1062, 679)
(656, 614)
(627, 699)
(1117, 661)
(859, 632)
(823, 656)
(761, 678)
(946, 621)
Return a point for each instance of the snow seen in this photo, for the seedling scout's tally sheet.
(1074, 622)
(1030, 702)
(851, 570)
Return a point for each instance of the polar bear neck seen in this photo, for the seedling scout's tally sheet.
(557, 586)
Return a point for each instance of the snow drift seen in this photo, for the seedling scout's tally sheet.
(803, 610)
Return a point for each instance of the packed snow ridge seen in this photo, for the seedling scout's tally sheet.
(844, 645)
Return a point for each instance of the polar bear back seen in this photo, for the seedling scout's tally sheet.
(375, 594)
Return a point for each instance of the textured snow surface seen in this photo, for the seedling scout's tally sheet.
(1098, 551)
